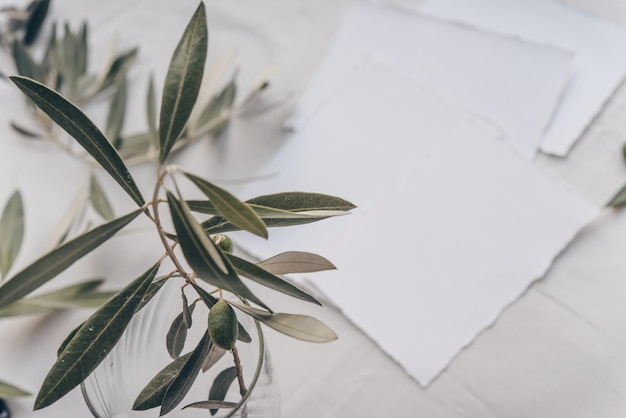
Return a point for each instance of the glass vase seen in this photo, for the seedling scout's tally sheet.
(110, 391)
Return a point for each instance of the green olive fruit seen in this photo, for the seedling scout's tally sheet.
(223, 325)
(224, 242)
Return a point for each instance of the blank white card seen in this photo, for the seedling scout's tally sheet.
(452, 225)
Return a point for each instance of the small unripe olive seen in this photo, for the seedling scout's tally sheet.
(224, 242)
(223, 325)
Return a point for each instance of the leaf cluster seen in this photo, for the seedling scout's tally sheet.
(207, 269)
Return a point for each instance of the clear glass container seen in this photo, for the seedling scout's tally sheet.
(112, 388)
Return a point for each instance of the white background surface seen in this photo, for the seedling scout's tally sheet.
(557, 352)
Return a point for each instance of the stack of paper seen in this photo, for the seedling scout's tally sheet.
(430, 128)
(598, 47)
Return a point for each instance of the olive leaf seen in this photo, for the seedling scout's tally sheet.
(71, 218)
(202, 254)
(8, 390)
(281, 210)
(117, 111)
(11, 232)
(75, 123)
(228, 206)
(183, 81)
(152, 395)
(151, 110)
(99, 200)
(117, 69)
(24, 62)
(81, 47)
(302, 327)
(93, 341)
(81, 295)
(38, 10)
(24, 131)
(221, 384)
(263, 277)
(302, 201)
(296, 262)
(215, 115)
(57, 260)
(209, 301)
(187, 311)
(177, 335)
(181, 384)
(213, 405)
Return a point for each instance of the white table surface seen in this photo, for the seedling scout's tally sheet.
(559, 351)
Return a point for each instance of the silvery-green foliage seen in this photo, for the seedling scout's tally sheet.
(207, 271)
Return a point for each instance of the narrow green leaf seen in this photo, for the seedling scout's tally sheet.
(135, 145)
(183, 81)
(118, 68)
(20, 308)
(60, 298)
(72, 217)
(38, 10)
(211, 405)
(152, 395)
(57, 260)
(82, 300)
(267, 279)
(202, 254)
(302, 201)
(187, 311)
(24, 62)
(220, 103)
(302, 327)
(282, 209)
(176, 337)
(24, 131)
(151, 111)
(81, 50)
(10, 391)
(99, 200)
(93, 341)
(221, 384)
(67, 62)
(619, 199)
(34, 305)
(181, 384)
(117, 111)
(296, 262)
(74, 122)
(51, 51)
(11, 232)
(228, 206)
(209, 301)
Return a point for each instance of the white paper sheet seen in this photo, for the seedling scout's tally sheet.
(515, 83)
(452, 225)
(599, 66)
